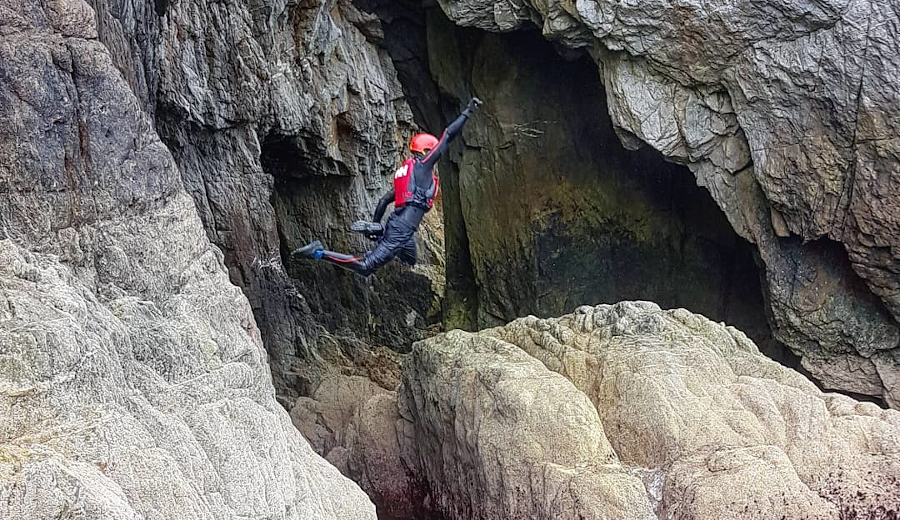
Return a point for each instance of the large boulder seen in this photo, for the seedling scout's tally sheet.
(622, 411)
(133, 380)
(786, 111)
(498, 436)
(732, 431)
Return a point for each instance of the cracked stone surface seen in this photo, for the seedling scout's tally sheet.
(614, 411)
(786, 111)
(287, 121)
(133, 380)
(713, 428)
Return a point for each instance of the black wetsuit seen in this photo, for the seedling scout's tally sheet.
(398, 239)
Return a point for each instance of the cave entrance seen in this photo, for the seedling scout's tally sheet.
(545, 206)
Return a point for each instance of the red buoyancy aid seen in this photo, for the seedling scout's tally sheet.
(405, 189)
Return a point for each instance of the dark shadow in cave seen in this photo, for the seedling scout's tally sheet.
(390, 308)
(641, 230)
(821, 280)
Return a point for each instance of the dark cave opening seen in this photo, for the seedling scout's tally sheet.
(545, 209)
(815, 281)
(161, 6)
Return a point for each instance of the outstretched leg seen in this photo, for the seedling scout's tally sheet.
(397, 235)
(316, 251)
(407, 253)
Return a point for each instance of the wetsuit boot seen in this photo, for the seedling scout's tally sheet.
(311, 250)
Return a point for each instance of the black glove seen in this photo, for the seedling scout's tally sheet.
(474, 104)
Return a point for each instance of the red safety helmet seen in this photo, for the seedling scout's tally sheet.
(421, 143)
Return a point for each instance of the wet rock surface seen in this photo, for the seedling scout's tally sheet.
(133, 378)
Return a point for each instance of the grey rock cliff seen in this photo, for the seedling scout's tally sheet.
(287, 121)
(786, 111)
(558, 214)
(133, 380)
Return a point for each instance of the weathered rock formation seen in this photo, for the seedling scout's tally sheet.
(285, 117)
(352, 422)
(733, 432)
(623, 411)
(498, 436)
(785, 111)
(286, 121)
(133, 379)
(557, 213)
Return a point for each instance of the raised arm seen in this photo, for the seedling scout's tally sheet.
(450, 133)
(382, 206)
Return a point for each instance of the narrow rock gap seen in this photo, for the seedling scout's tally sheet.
(311, 205)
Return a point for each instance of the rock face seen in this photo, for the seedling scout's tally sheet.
(713, 428)
(353, 423)
(786, 112)
(133, 380)
(287, 121)
(559, 214)
(511, 440)
(623, 411)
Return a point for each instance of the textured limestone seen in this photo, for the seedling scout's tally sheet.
(499, 436)
(353, 423)
(133, 381)
(649, 414)
(791, 100)
(733, 432)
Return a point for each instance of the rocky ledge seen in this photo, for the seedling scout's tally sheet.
(622, 411)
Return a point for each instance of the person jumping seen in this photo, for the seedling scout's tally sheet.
(413, 192)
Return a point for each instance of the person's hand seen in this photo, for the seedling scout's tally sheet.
(371, 230)
(361, 226)
(474, 105)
